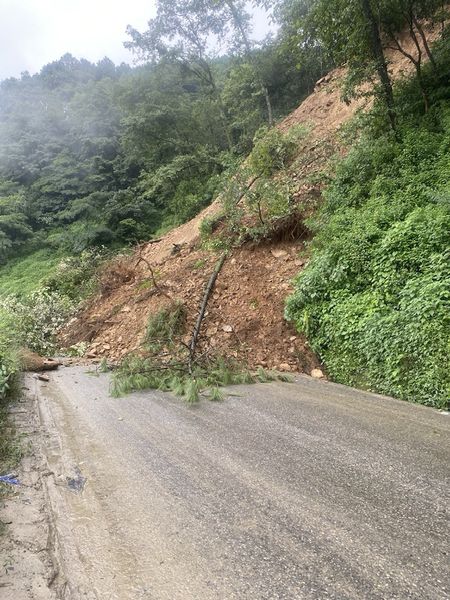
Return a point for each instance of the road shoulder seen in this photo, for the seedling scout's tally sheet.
(28, 568)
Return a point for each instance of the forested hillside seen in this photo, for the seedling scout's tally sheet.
(95, 158)
(95, 155)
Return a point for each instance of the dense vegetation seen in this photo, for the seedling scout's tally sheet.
(375, 298)
(99, 155)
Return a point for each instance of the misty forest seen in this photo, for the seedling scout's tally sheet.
(99, 155)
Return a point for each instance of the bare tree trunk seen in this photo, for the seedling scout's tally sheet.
(425, 42)
(248, 52)
(201, 314)
(381, 65)
(216, 94)
(417, 62)
(268, 105)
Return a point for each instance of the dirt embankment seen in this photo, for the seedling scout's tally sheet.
(245, 315)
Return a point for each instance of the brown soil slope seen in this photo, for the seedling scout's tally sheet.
(245, 314)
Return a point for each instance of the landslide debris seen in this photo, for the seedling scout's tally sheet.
(244, 318)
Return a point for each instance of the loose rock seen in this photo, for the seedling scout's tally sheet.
(317, 374)
(278, 253)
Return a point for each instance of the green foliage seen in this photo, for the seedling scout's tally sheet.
(165, 326)
(96, 155)
(273, 149)
(137, 373)
(9, 366)
(209, 225)
(9, 361)
(38, 317)
(78, 350)
(375, 298)
(47, 302)
(257, 194)
(75, 277)
(25, 274)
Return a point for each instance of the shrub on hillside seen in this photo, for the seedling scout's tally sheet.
(375, 298)
(37, 318)
(9, 362)
(74, 275)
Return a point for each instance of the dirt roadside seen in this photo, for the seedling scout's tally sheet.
(28, 567)
(37, 548)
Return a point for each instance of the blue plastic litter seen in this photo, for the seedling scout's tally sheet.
(9, 479)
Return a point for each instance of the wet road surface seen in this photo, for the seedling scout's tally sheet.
(283, 491)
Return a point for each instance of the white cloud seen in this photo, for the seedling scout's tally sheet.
(36, 32)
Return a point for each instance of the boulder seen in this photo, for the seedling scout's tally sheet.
(317, 374)
(278, 253)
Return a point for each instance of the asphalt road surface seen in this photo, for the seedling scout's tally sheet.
(282, 491)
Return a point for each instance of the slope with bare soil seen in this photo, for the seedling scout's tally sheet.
(245, 315)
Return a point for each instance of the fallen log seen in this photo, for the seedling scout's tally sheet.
(31, 361)
(201, 314)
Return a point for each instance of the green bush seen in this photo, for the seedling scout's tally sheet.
(37, 318)
(273, 149)
(257, 193)
(9, 367)
(375, 297)
(74, 277)
(9, 362)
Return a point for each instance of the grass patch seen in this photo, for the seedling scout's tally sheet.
(11, 450)
(24, 274)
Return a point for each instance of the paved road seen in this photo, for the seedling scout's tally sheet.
(283, 491)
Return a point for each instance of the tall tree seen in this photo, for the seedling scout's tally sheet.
(185, 32)
(379, 59)
(240, 19)
(396, 16)
(349, 33)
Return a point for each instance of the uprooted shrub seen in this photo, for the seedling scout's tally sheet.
(258, 194)
(115, 273)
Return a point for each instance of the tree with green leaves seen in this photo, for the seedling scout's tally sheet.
(350, 34)
(236, 13)
(185, 33)
(395, 17)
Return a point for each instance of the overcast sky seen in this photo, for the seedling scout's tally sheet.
(36, 32)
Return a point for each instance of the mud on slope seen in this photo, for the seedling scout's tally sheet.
(252, 286)
(245, 315)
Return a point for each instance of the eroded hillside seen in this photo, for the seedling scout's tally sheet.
(245, 314)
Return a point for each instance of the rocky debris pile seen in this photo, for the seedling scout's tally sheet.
(245, 315)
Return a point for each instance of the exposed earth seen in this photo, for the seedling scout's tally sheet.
(245, 318)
